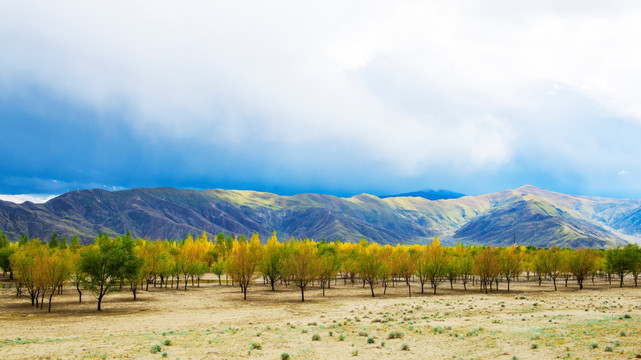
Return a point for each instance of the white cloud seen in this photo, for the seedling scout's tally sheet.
(622, 172)
(411, 84)
(34, 198)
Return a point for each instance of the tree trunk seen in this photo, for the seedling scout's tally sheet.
(302, 294)
(271, 280)
(371, 287)
(508, 284)
(79, 293)
(50, 297)
(409, 288)
(621, 282)
(554, 281)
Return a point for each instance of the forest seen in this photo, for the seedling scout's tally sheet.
(41, 269)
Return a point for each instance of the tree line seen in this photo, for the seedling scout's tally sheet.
(123, 262)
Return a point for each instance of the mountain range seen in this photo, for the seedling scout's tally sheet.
(526, 216)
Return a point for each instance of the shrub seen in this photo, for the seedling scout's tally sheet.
(284, 356)
(405, 347)
(609, 349)
(167, 342)
(627, 316)
(341, 337)
(395, 335)
(382, 343)
(315, 337)
(164, 354)
(362, 333)
(331, 333)
(370, 340)
(594, 345)
(355, 352)
(622, 333)
(534, 346)
(255, 346)
(155, 349)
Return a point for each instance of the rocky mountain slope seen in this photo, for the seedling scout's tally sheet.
(529, 215)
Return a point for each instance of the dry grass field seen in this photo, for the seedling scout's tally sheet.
(212, 322)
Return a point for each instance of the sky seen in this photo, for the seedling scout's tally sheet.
(337, 97)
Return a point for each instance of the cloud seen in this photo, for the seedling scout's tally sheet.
(622, 172)
(409, 88)
(34, 198)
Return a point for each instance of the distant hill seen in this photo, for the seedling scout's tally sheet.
(429, 194)
(528, 214)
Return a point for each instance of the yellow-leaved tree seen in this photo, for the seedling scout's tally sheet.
(243, 262)
(303, 266)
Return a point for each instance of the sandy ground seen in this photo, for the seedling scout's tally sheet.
(213, 322)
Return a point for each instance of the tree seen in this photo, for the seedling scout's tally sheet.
(405, 266)
(218, 268)
(6, 250)
(633, 254)
(243, 262)
(463, 263)
(303, 265)
(75, 242)
(76, 274)
(104, 264)
(329, 263)
(271, 266)
(53, 243)
(436, 264)
(617, 262)
(369, 264)
(582, 263)
(56, 271)
(27, 261)
(486, 266)
(132, 270)
(4, 240)
(510, 263)
(552, 263)
(63, 242)
(421, 260)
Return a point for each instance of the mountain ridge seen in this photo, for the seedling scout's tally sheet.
(535, 216)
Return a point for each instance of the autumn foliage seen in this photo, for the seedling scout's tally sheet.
(115, 263)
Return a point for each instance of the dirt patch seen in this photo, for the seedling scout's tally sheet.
(213, 322)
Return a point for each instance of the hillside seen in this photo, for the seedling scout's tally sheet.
(531, 215)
